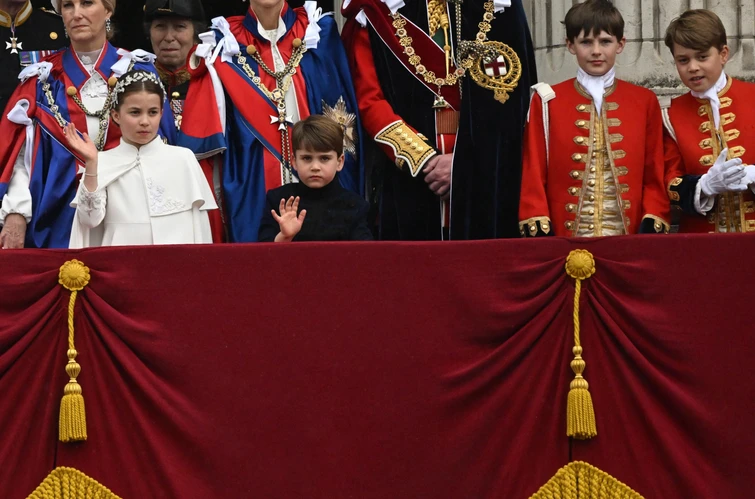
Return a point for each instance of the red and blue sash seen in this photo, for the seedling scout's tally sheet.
(253, 142)
(54, 169)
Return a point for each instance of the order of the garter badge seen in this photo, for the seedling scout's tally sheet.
(496, 67)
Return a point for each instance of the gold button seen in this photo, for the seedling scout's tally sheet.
(591, 226)
(399, 130)
(575, 174)
(591, 212)
(71, 91)
(594, 154)
(251, 49)
(573, 191)
(53, 36)
(569, 225)
(296, 43)
(581, 107)
(577, 157)
(545, 227)
(112, 81)
(175, 95)
(580, 140)
(592, 198)
(581, 123)
(592, 168)
(591, 183)
(533, 228)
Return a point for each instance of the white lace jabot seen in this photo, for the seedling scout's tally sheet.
(712, 95)
(596, 85)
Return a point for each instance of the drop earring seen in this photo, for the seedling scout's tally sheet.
(108, 27)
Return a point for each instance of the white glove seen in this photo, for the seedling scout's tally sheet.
(723, 176)
(749, 179)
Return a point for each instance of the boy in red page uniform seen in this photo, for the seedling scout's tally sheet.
(707, 130)
(593, 147)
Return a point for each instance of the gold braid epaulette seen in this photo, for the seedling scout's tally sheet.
(407, 145)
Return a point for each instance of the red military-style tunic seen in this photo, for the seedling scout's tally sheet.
(600, 174)
(691, 146)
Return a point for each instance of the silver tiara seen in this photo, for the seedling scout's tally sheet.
(120, 87)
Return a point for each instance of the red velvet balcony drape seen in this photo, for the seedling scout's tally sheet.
(382, 370)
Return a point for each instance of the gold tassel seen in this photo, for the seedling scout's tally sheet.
(73, 276)
(580, 415)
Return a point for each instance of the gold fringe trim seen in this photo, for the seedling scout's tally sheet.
(74, 276)
(70, 483)
(582, 480)
(580, 415)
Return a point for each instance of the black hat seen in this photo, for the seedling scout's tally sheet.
(190, 9)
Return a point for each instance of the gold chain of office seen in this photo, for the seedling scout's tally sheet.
(399, 23)
(471, 53)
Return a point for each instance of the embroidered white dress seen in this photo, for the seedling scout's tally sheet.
(155, 194)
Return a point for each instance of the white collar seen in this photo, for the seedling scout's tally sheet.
(151, 147)
(21, 17)
(596, 85)
(712, 95)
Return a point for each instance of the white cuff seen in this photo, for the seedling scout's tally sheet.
(703, 203)
(500, 5)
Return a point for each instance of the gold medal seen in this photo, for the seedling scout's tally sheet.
(498, 69)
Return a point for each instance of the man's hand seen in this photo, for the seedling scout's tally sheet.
(14, 232)
(438, 174)
(290, 223)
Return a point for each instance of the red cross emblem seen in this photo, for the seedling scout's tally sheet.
(496, 67)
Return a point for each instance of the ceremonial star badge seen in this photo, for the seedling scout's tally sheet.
(347, 120)
(13, 45)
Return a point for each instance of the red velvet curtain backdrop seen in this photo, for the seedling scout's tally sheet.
(382, 370)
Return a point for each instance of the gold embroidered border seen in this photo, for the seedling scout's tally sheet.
(659, 224)
(615, 138)
(728, 118)
(21, 17)
(530, 225)
(407, 145)
(736, 152)
(673, 195)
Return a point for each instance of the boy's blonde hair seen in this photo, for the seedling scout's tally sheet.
(697, 29)
(594, 16)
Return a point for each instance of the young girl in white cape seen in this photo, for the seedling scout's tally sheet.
(143, 191)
